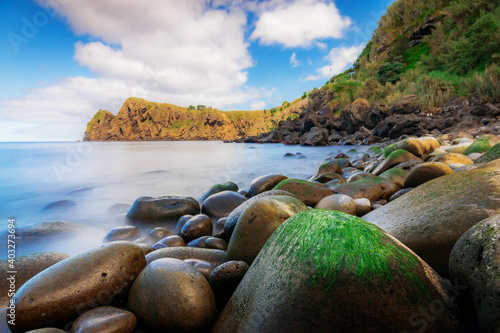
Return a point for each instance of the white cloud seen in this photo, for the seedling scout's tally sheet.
(257, 105)
(181, 52)
(299, 23)
(294, 61)
(340, 58)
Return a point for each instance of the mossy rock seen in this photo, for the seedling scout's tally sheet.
(396, 157)
(492, 154)
(474, 262)
(375, 150)
(395, 175)
(483, 144)
(227, 186)
(329, 166)
(322, 271)
(307, 192)
(343, 162)
(329, 176)
(389, 149)
(370, 187)
(431, 218)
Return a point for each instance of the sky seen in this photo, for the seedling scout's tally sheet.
(61, 60)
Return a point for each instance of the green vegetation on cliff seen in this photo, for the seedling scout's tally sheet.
(434, 50)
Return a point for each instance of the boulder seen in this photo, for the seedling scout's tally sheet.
(215, 257)
(412, 145)
(338, 202)
(396, 157)
(256, 224)
(169, 241)
(353, 117)
(307, 192)
(371, 187)
(395, 175)
(452, 158)
(197, 226)
(492, 154)
(315, 137)
(159, 233)
(475, 262)
(222, 204)
(105, 319)
(327, 271)
(363, 206)
(431, 218)
(125, 233)
(26, 266)
(482, 145)
(72, 286)
(162, 208)
(235, 214)
(425, 172)
(327, 167)
(227, 186)
(328, 177)
(170, 295)
(264, 183)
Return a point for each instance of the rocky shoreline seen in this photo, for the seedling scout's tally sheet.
(401, 238)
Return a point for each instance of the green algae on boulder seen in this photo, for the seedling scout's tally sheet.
(321, 271)
(491, 155)
(307, 192)
(482, 145)
(396, 157)
(431, 218)
(395, 175)
(329, 166)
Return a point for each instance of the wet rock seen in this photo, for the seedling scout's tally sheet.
(235, 214)
(450, 158)
(215, 257)
(357, 176)
(339, 202)
(307, 192)
(182, 220)
(170, 241)
(432, 217)
(105, 319)
(61, 204)
(395, 158)
(217, 188)
(309, 278)
(44, 231)
(159, 233)
(204, 267)
(170, 295)
(222, 204)
(257, 222)
(198, 242)
(225, 278)
(371, 187)
(425, 172)
(215, 243)
(162, 208)
(475, 262)
(328, 177)
(77, 284)
(264, 183)
(125, 233)
(197, 226)
(26, 266)
(363, 206)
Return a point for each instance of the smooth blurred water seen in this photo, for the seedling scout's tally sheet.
(98, 175)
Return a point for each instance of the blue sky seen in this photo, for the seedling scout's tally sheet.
(63, 60)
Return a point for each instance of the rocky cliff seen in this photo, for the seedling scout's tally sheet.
(140, 120)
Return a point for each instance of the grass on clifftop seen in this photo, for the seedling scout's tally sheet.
(459, 58)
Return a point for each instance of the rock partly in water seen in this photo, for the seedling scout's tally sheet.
(475, 262)
(77, 284)
(170, 295)
(162, 208)
(105, 319)
(257, 223)
(125, 233)
(322, 271)
(431, 218)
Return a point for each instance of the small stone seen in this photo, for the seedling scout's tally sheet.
(339, 202)
(222, 204)
(215, 243)
(159, 233)
(170, 241)
(106, 319)
(264, 183)
(197, 226)
(363, 206)
(198, 242)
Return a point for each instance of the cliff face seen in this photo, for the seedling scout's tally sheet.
(140, 120)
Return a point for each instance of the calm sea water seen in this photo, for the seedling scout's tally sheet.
(96, 176)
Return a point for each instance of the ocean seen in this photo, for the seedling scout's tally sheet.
(101, 179)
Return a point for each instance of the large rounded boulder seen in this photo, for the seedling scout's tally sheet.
(170, 295)
(475, 263)
(431, 218)
(327, 271)
(162, 208)
(99, 276)
(257, 223)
